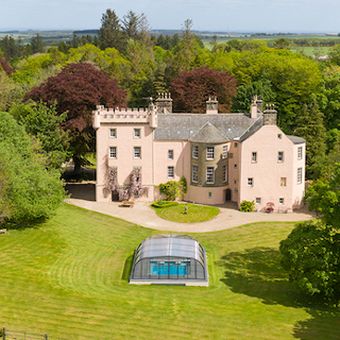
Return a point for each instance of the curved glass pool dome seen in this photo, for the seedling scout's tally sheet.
(170, 259)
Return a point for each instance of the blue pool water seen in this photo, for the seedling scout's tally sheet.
(168, 268)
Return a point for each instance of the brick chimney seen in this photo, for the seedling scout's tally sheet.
(270, 115)
(212, 105)
(164, 102)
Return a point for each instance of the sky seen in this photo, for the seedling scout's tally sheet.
(212, 15)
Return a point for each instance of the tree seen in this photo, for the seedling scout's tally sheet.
(261, 88)
(311, 127)
(281, 43)
(110, 33)
(37, 44)
(28, 191)
(323, 195)
(77, 89)
(190, 90)
(44, 123)
(311, 256)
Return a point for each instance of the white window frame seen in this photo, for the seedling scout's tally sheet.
(137, 133)
(299, 177)
(300, 153)
(113, 150)
(250, 181)
(281, 200)
(171, 154)
(258, 200)
(171, 172)
(254, 157)
(210, 176)
(194, 174)
(278, 156)
(225, 173)
(210, 153)
(135, 148)
(225, 150)
(195, 151)
(115, 133)
(283, 181)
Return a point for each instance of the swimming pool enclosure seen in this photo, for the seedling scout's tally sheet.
(170, 259)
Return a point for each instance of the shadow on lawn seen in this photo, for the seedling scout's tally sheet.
(324, 324)
(257, 272)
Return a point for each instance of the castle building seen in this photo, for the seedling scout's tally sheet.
(223, 156)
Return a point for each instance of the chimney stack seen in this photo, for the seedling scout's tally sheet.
(270, 115)
(212, 105)
(164, 102)
(256, 107)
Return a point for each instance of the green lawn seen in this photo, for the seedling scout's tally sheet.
(67, 278)
(195, 213)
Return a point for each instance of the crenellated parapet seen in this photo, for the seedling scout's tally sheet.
(103, 115)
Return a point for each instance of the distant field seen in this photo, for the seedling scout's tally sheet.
(68, 278)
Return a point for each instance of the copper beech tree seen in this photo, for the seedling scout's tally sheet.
(191, 89)
(77, 89)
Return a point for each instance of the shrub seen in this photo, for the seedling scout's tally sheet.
(183, 186)
(170, 190)
(247, 206)
(163, 204)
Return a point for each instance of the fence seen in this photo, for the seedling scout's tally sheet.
(7, 334)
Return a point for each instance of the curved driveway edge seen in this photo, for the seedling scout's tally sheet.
(143, 215)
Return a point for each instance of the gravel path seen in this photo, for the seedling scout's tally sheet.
(143, 215)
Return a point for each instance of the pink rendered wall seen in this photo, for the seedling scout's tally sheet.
(125, 161)
(267, 171)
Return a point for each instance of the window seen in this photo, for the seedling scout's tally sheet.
(209, 194)
(194, 173)
(225, 151)
(299, 175)
(235, 165)
(210, 175)
(171, 172)
(299, 152)
(254, 157)
(170, 154)
(113, 152)
(113, 133)
(136, 133)
(283, 181)
(137, 152)
(281, 200)
(195, 151)
(280, 156)
(250, 181)
(258, 200)
(235, 145)
(231, 155)
(224, 173)
(210, 152)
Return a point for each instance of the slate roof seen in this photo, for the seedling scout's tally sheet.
(296, 139)
(189, 126)
(209, 133)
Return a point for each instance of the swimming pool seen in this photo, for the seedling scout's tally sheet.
(171, 268)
